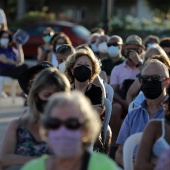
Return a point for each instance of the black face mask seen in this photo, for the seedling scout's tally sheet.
(82, 73)
(152, 89)
(40, 104)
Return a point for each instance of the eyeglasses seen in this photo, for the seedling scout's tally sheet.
(55, 123)
(48, 34)
(113, 44)
(144, 78)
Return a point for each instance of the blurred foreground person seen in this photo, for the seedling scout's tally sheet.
(69, 127)
(22, 141)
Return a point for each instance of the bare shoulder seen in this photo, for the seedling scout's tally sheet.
(154, 125)
(13, 125)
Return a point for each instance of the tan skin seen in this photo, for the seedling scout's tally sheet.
(152, 105)
(8, 157)
(19, 54)
(65, 112)
(152, 132)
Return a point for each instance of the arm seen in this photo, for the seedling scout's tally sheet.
(143, 160)
(133, 91)
(7, 153)
(19, 54)
(119, 156)
(5, 60)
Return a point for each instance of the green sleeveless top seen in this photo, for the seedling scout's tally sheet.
(97, 161)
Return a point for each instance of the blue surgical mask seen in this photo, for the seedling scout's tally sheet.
(94, 47)
(113, 51)
(47, 38)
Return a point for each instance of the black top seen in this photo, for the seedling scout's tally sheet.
(108, 64)
(95, 94)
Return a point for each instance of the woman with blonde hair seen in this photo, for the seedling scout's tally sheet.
(22, 141)
(69, 126)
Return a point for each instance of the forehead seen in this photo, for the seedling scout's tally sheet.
(65, 111)
(83, 58)
(49, 89)
(132, 46)
(102, 39)
(153, 68)
(114, 40)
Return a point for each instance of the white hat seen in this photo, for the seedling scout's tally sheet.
(3, 18)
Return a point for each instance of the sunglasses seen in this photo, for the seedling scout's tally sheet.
(144, 78)
(112, 44)
(47, 34)
(55, 123)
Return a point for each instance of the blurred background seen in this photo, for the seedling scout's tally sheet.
(121, 17)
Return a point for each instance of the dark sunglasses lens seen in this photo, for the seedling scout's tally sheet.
(52, 123)
(46, 35)
(72, 124)
(155, 77)
(113, 44)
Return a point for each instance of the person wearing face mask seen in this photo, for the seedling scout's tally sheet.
(150, 40)
(46, 48)
(57, 42)
(11, 56)
(154, 82)
(81, 69)
(68, 127)
(101, 43)
(122, 77)
(115, 57)
(22, 141)
(93, 43)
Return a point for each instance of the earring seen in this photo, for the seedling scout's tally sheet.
(85, 139)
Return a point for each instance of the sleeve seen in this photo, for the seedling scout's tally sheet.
(125, 130)
(114, 79)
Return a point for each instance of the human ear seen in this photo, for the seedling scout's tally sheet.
(167, 82)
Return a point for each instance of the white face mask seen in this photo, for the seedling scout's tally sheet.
(61, 66)
(103, 47)
(113, 51)
(4, 41)
(94, 47)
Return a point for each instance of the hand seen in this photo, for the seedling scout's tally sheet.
(134, 57)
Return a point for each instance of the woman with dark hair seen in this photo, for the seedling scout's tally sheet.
(155, 140)
(11, 57)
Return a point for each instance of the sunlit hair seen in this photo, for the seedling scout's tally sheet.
(117, 37)
(49, 29)
(154, 50)
(61, 36)
(71, 60)
(87, 113)
(92, 36)
(46, 78)
(84, 47)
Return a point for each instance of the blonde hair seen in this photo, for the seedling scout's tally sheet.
(73, 58)
(46, 78)
(91, 118)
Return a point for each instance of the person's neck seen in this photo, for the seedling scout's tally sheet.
(117, 58)
(72, 163)
(153, 105)
(81, 86)
(130, 63)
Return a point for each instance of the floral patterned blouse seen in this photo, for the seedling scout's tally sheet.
(27, 145)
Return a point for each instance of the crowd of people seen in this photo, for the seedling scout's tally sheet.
(62, 125)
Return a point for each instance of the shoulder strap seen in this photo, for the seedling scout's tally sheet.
(86, 158)
(163, 127)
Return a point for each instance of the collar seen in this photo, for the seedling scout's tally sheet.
(144, 103)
